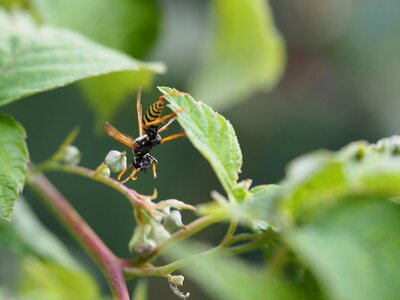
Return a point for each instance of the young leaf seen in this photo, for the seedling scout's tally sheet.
(39, 58)
(258, 212)
(212, 135)
(353, 249)
(13, 160)
(246, 54)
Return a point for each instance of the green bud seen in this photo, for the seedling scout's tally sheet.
(103, 170)
(116, 161)
(71, 155)
(140, 243)
(173, 221)
(159, 233)
(145, 247)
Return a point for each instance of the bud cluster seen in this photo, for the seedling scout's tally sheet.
(154, 231)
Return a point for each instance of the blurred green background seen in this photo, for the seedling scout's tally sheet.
(340, 84)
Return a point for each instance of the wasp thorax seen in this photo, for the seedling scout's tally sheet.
(116, 161)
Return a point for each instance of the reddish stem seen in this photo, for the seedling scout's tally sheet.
(111, 265)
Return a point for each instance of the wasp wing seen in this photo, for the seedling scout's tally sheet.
(118, 136)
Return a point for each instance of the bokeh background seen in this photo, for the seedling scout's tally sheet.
(341, 83)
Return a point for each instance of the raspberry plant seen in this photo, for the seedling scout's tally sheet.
(328, 230)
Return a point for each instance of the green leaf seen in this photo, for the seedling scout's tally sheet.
(107, 93)
(224, 278)
(39, 58)
(319, 180)
(127, 25)
(28, 236)
(213, 136)
(130, 26)
(312, 180)
(258, 212)
(13, 160)
(353, 249)
(246, 53)
(339, 220)
(49, 281)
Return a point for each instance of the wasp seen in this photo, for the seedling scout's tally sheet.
(149, 135)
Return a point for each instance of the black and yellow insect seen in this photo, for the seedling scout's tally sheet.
(148, 135)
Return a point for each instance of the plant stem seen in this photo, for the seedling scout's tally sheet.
(230, 233)
(111, 265)
(189, 230)
(134, 197)
(164, 271)
(240, 238)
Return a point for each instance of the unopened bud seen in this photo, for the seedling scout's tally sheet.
(159, 233)
(145, 247)
(139, 242)
(103, 170)
(173, 221)
(116, 161)
(71, 155)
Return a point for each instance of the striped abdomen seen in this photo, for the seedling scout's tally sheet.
(153, 112)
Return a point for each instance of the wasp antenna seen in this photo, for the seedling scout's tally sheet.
(139, 110)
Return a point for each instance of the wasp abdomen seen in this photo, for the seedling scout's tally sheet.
(153, 112)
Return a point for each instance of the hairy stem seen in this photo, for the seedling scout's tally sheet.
(111, 265)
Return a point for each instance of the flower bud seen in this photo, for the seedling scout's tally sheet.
(145, 247)
(139, 242)
(116, 161)
(103, 170)
(71, 155)
(159, 233)
(173, 221)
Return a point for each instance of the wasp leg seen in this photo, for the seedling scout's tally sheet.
(172, 137)
(132, 176)
(123, 172)
(153, 168)
(162, 119)
(165, 127)
(139, 110)
(161, 99)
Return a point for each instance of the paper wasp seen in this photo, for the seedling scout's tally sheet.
(148, 135)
